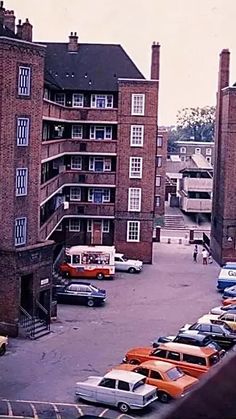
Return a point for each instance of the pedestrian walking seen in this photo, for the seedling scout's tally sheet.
(210, 260)
(204, 256)
(195, 253)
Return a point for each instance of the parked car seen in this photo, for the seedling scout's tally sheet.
(193, 360)
(222, 309)
(229, 292)
(171, 381)
(228, 300)
(189, 337)
(127, 265)
(3, 344)
(80, 293)
(228, 317)
(218, 330)
(227, 277)
(123, 389)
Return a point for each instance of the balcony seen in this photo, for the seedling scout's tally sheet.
(76, 177)
(197, 184)
(196, 205)
(83, 209)
(54, 111)
(51, 149)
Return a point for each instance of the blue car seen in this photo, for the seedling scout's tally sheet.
(229, 292)
(80, 293)
(227, 277)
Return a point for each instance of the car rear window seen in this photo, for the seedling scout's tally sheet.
(174, 374)
(192, 359)
(139, 384)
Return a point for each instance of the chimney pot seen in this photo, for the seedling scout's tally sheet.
(9, 20)
(73, 42)
(26, 31)
(2, 11)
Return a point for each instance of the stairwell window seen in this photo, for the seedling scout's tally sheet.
(74, 224)
(138, 104)
(136, 135)
(75, 193)
(101, 101)
(158, 201)
(20, 231)
(76, 162)
(21, 182)
(24, 81)
(158, 180)
(77, 100)
(134, 199)
(22, 131)
(133, 231)
(159, 141)
(135, 167)
(159, 161)
(60, 98)
(77, 131)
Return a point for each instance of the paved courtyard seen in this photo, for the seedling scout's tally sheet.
(89, 341)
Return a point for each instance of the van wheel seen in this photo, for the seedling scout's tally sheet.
(134, 362)
(131, 270)
(123, 407)
(163, 397)
(90, 303)
(100, 275)
(2, 349)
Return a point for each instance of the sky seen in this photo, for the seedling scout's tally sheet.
(191, 34)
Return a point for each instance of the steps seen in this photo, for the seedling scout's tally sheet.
(174, 222)
(34, 328)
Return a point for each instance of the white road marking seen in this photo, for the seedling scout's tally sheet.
(124, 415)
(103, 413)
(34, 411)
(58, 416)
(12, 417)
(79, 410)
(10, 413)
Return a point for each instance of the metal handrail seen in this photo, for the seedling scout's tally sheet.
(42, 307)
(26, 313)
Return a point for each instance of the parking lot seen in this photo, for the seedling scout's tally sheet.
(89, 341)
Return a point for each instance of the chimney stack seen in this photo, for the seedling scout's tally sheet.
(9, 20)
(155, 62)
(27, 31)
(73, 42)
(224, 69)
(2, 12)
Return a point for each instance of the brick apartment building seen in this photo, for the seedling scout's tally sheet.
(223, 229)
(185, 149)
(78, 148)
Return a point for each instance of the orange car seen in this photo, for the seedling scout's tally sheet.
(229, 300)
(170, 380)
(193, 360)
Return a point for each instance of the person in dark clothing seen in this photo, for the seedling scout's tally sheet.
(195, 253)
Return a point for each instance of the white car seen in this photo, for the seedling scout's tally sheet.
(223, 309)
(127, 265)
(123, 389)
(3, 344)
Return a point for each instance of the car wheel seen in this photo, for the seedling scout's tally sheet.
(163, 397)
(90, 303)
(134, 362)
(100, 275)
(131, 270)
(123, 407)
(2, 349)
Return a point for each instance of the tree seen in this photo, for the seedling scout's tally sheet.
(196, 123)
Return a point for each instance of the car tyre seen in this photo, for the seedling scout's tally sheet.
(134, 362)
(123, 407)
(90, 303)
(2, 349)
(100, 275)
(131, 270)
(163, 397)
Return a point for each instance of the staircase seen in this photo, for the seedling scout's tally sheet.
(174, 222)
(35, 327)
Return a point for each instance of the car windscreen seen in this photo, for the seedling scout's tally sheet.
(93, 288)
(139, 384)
(174, 374)
(213, 359)
(228, 328)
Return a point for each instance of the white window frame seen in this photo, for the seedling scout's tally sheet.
(158, 200)
(183, 150)
(77, 103)
(104, 199)
(24, 80)
(75, 196)
(134, 202)
(106, 228)
(159, 141)
(138, 104)
(79, 133)
(60, 98)
(22, 131)
(208, 151)
(208, 158)
(136, 135)
(73, 228)
(197, 150)
(158, 180)
(107, 129)
(89, 226)
(106, 164)
(20, 239)
(21, 181)
(159, 161)
(135, 174)
(76, 162)
(129, 224)
(108, 103)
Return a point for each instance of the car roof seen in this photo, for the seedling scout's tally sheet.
(78, 283)
(187, 349)
(233, 311)
(158, 365)
(129, 376)
(193, 334)
(119, 254)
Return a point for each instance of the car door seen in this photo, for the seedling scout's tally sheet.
(229, 319)
(106, 391)
(70, 294)
(85, 292)
(119, 264)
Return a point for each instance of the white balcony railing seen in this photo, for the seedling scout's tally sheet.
(196, 205)
(197, 184)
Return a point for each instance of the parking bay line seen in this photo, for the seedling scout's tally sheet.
(34, 411)
(103, 413)
(10, 413)
(58, 416)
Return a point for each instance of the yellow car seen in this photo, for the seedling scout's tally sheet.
(3, 344)
(229, 318)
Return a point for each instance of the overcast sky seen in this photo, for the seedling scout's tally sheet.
(191, 34)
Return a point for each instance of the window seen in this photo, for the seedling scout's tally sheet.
(123, 385)
(77, 100)
(100, 133)
(159, 141)
(159, 161)
(22, 133)
(133, 231)
(183, 150)
(158, 201)
(155, 375)
(75, 193)
(136, 135)
(192, 359)
(158, 180)
(60, 98)
(228, 317)
(77, 131)
(138, 103)
(24, 81)
(208, 151)
(183, 158)
(105, 226)
(89, 226)
(21, 182)
(101, 101)
(161, 353)
(134, 199)
(143, 371)
(174, 355)
(99, 164)
(99, 195)
(74, 224)
(76, 162)
(20, 231)
(107, 165)
(216, 329)
(208, 159)
(106, 195)
(197, 150)
(108, 382)
(135, 167)
(204, 327)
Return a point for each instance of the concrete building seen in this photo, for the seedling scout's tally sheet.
(185, 149)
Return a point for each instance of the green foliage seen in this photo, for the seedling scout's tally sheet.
(196, 123)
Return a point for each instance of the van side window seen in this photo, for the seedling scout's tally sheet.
(155, 375)
(192, 359)
(76, 259)
(160, 353)
(174, 355)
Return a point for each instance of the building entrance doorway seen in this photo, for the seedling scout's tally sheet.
(97, 232)
(26, 300)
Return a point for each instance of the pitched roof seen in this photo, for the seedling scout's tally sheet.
(94, 67)
(4, 31)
